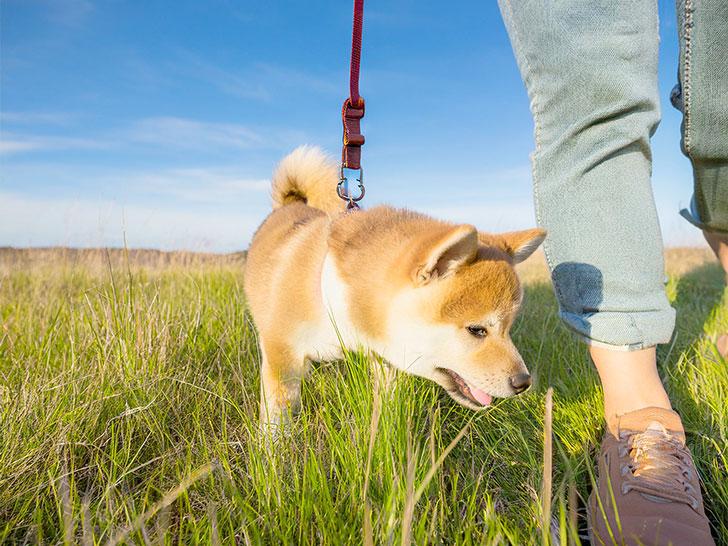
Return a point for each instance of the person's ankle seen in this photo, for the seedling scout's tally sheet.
(630, 380)
(719, 244)
(722, 344)
(613, 411)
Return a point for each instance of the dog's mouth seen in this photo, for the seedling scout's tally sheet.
(469, 392)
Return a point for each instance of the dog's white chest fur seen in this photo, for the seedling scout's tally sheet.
(396, 347)
(336, 328)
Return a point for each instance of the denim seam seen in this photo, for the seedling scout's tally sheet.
(636, 327)
(687, 73)
(537, 139)
(591, 342)
(536, 152)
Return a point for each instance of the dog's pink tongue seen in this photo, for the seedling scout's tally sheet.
(482, 397)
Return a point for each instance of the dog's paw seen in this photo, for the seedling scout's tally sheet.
(272, 428)
(269, 434)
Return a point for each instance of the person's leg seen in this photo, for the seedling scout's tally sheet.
(591, 74)
(719, 243)
(702, 95)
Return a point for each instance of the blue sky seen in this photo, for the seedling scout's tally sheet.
(164, 119)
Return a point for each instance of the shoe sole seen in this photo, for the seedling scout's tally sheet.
(590, 508)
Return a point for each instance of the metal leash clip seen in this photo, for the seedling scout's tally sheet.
(342, 188)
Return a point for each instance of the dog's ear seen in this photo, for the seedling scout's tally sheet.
(445, 254)
(519, 245)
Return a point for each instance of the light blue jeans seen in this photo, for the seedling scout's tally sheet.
(590, 69)
(702, 95)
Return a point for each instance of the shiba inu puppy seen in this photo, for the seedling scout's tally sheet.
(432, 298)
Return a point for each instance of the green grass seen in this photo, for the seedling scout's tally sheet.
(128, 407)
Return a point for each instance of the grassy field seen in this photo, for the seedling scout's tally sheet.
(128, 406)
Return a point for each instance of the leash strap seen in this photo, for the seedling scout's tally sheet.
(353, 109)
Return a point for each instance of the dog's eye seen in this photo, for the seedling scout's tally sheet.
(477, 331)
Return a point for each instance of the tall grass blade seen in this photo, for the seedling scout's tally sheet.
(547, 468)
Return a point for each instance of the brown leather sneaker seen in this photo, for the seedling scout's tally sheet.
(648, 491)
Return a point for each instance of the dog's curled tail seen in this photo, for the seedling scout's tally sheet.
(309, 176)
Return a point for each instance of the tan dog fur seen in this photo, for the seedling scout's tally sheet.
(400, 283)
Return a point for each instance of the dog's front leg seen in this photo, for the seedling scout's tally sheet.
(280, 386)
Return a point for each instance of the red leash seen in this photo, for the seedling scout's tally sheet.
(351, 114)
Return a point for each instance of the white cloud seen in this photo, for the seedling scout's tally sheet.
(198, 185)
(168, 133)
(8, 147)
(260, 81)
(15, 144)
(32, 221)
(28, 118)
(225, 187)
(236, 84)
(172, 132)
(84, 223)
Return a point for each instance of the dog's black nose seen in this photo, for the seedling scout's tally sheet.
(520, 382)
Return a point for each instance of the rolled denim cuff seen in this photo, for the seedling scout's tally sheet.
(621, 331)
(709, 205)
(618, 310)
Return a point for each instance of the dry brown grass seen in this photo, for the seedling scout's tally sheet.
(678, 261)
(114, 258)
